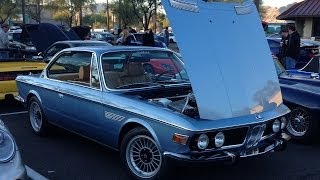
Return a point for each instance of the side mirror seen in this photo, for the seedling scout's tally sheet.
(314, 76)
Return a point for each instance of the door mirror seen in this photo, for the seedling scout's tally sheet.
(314, 76)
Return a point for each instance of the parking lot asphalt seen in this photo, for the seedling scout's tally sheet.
(63, 155)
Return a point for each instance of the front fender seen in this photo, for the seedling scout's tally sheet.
(33, 93)
(144, 124)
(301, 97)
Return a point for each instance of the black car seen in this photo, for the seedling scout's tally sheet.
(60, 45)
(302, 96)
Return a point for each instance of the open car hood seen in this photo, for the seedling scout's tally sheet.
(44, 34)
(230, 67)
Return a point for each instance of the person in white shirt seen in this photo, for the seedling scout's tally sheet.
(4, 41)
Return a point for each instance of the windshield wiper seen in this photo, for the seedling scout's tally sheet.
(138, 85)
(173, 81)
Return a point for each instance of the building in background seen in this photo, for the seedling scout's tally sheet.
(306, 15)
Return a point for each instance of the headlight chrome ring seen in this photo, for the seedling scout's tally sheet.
(276, 126)
(7, 146)
(203, 141)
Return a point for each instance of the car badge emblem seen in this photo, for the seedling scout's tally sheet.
(259, 117)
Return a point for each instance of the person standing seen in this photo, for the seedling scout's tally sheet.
(293, 48)
(166, 36)
(126, 37)
(283, 46)
(131, 30)
(4, 41)
(150, 38)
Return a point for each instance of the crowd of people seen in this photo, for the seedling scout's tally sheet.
(290, 47)
(148, 36)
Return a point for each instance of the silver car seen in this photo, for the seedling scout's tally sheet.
(11, 166)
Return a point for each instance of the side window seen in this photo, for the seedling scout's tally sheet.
(95, 81)
(72, 67)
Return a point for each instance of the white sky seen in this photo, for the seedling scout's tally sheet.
(278, 3)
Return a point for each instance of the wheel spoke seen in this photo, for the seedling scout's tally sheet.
(143, 156)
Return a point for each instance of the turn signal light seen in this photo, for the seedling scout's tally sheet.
(180, 139)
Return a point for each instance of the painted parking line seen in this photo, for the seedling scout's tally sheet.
(14, 113)
(34, 175)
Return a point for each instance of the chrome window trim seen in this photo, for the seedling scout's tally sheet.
(56, 57)
(133, 50)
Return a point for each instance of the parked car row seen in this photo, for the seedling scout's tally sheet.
(308, 49)
(156, 109)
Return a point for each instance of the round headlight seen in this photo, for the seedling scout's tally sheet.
(6, 146)
(276, 126)
(283, 122)
(219, 139)
(203, 141)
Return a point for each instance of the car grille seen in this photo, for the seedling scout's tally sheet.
(235, 136)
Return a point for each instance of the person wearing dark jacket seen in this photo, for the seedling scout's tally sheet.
(283, 46)
(148, 38)
(293, 48)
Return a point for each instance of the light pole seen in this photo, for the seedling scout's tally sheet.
(23, 4)
(108, 18)
(155, 16)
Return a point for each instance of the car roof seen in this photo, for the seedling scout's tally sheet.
(103, 49)
(80, 41)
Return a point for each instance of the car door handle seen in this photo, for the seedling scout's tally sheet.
(60, 96)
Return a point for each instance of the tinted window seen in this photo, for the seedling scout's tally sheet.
(72, 67)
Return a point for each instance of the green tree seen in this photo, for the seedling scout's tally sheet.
(68, 9)
(94, 20)
(125, 12)
(144, 10)
(34, 8)
(8, 8)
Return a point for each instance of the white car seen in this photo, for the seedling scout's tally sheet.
(172, 38)
(11, 166)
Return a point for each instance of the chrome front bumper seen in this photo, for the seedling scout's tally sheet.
(231, 155)
(14, 169)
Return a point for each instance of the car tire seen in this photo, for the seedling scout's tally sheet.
(38, 121)
(301, 126)
(141, 156)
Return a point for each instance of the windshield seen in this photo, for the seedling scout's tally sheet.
(280, 69)
(136, 69)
